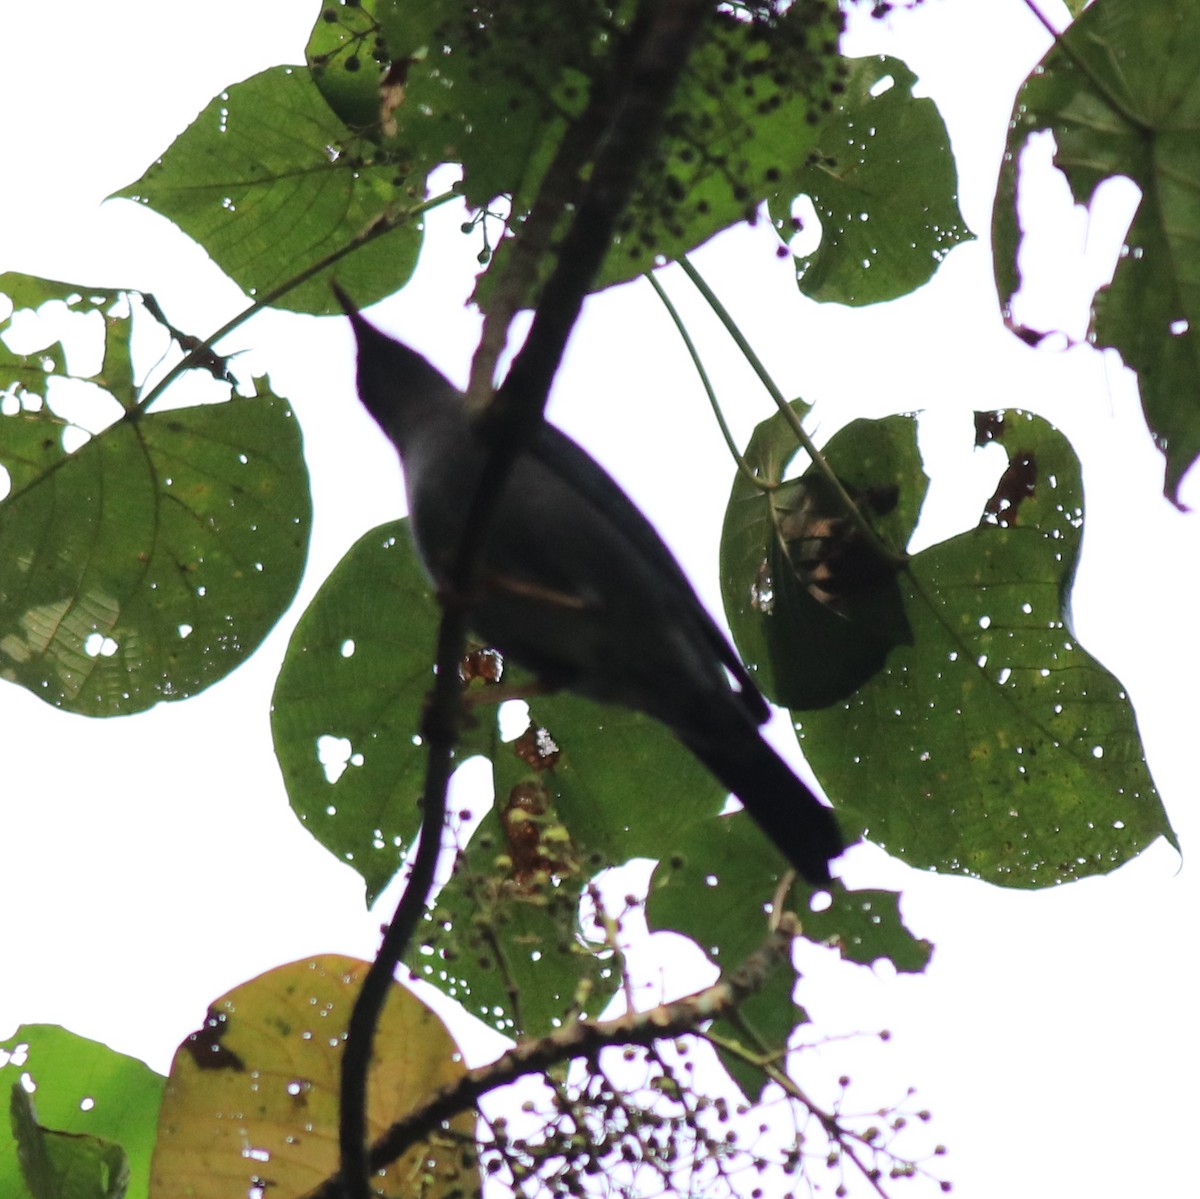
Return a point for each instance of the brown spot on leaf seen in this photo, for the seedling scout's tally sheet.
(537, 843)
(393, 88)
(536, 748)
(205, 1045)
(1017, 484)
(1031, 337)
(485, 665)
(988, 427)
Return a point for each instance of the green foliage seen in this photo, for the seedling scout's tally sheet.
(58, 1165)
(594, 786)
(805, 653)
(1121, 95)
(346, 54)
(87, 1132)
(505, 938)
(742, 129)
(273, 184)
(147, 563)
(585, 787)
(865, 926)
(882, 180)
(490, 86)
(987, 741)
(357, 671)
(718, 876)
(943, 701)
(281, 174)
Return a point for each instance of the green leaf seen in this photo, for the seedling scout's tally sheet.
(589, 786)
(884, 185)
(504, 937)
(346, 711)
(270, 182)
(343, 53)
(803, 652)
(624, 787)
(95, 1119)
(59, 1165)
(153, 559)
(741, 128)
(1122, 98)
(994, 745)
(619, 786)
(864, 926)
(489, 89)
(715, 889)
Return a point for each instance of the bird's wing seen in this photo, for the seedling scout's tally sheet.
(578, 470)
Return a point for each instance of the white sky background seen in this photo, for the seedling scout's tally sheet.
(151, 863)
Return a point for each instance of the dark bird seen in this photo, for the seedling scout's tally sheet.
(576, 586)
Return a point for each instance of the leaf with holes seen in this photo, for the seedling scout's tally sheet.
(994, 745)
(270, 182)
(96, 1111)
(148, 562)
(741, 124)
(587, 786)
(344, 55)
(346, 711)
(251, 1105)
(804, 653)
(1121, 96)
(883, 183)
(719, 872)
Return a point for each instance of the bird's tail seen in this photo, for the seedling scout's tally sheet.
(803, 829)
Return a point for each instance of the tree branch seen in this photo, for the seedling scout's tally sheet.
(662, 41)
(441, 733)
(662, 38)
(585, 1038)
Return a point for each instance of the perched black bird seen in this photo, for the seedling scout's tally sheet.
(577, 587)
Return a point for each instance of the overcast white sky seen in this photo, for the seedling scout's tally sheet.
(1054, 1035)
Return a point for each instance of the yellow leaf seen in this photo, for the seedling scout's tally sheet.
(251, 1106)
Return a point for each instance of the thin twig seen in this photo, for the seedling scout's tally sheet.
(743, 466)
(877, 544)
(584, 1038)
(767, 1062)
(379, 228)
(1113, 101)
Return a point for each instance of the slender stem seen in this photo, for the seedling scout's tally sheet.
(379, 229)
(1110, 98)
(742, 465)
(880, 547)
(768, 1064)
